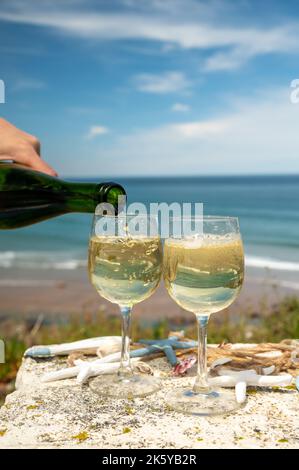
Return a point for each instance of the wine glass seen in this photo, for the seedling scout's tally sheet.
(203, 273)
(125, 267)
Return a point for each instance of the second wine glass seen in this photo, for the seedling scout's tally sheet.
(203, 273)
(125, 266)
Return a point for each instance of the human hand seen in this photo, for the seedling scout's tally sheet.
(22, 148)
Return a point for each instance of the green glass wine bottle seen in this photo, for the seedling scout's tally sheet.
(28, 196)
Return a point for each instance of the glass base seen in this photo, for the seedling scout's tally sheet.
(128, 387)
(215, 402)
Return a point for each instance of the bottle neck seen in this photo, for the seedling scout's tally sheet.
(82, 197)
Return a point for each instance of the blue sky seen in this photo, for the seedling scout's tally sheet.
(154, 87)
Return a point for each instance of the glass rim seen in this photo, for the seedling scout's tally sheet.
(183, 217)
(206, 217)
(126, 215)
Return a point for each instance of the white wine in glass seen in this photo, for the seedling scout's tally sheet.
(125, 268)
(204, 274)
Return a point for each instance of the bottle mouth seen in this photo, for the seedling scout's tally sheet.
(113, 193)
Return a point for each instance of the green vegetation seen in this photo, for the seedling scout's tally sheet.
(275, 325)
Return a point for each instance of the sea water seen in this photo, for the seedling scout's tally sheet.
(267, 207)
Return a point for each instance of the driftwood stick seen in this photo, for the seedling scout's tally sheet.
(254, 357)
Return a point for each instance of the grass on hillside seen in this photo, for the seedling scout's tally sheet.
(280, 323)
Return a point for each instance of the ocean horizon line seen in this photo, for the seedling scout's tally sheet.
(244, 177)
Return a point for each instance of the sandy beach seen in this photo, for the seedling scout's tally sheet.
(58, 294)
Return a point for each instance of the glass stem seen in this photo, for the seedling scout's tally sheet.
(125, 368)
(201, 383)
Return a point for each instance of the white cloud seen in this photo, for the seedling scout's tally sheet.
(25, 83)
(168, 82)
(226, 60)
(259, 136)
(201, 129)
(95, 131)
(197, 27)
(180, 107)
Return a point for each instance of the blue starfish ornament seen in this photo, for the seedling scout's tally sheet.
(167, 346)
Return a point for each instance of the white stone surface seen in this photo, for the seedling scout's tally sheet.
(41, 415)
